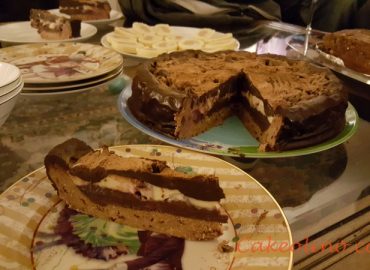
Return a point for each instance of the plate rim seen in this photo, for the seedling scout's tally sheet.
(92, 28)
(344, 136)
(171, 148)
(76, 84)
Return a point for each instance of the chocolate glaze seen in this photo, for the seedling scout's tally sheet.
(156, 101)
(313, 130)
(104, 196)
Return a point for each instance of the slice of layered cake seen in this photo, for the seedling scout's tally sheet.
(54, 27)
(142, 193)
(350, 45)
(86, 10)
(285, 104)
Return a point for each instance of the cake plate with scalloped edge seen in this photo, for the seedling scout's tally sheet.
(233, 139)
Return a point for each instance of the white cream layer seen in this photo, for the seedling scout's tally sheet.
(148, 191)
(257, 104)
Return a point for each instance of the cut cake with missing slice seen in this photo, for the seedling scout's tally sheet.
(285, 104)
(142, 193)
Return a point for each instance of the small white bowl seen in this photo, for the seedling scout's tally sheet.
(7, 106)
(10, 87)
(9, 73)
(11, 93)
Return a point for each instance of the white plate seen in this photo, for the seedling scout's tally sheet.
(114, 15)
(8, 73)
(187, 32)
(22, 32)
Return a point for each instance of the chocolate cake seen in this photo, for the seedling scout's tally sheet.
(285, 104)
(86, 10)
(54, 27)
(350, 45)
(142, 193)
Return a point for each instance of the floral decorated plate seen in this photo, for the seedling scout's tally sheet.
(39, 232)
(61, 62)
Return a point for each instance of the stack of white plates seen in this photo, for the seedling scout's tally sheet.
(63, 68)
(11, 85)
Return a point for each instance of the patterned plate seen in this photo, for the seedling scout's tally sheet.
(233, 139)
(37, 231)
(61, 62)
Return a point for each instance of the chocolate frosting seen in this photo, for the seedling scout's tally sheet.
(104, 196)
(294, 89)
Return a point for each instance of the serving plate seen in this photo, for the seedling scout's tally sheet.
(21, 32)
(315, 54)
(53, 63)
(257, 231)
(232, 138)
(187, 32)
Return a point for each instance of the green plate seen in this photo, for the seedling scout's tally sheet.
(232, 139)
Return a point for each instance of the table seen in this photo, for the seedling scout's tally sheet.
(325, 196)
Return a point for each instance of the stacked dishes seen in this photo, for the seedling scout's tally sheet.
(11, 84)
(63, 68)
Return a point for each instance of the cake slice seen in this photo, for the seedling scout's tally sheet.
(142, 193)
(350, 45)
(86, 10)
(54, 27)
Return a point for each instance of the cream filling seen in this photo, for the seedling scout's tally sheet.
(147, 191)
(209, 103)
(257, 104)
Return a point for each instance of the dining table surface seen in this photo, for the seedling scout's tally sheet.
(324, 195)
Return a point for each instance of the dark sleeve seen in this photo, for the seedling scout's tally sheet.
(235, 13)
(18, 10)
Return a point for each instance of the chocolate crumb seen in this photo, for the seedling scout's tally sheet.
(225, 247)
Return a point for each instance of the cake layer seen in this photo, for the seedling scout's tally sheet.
(181, 208)
(183, 227)
(131, 200)
(176, 93)
(96, 165)
(86, 9)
